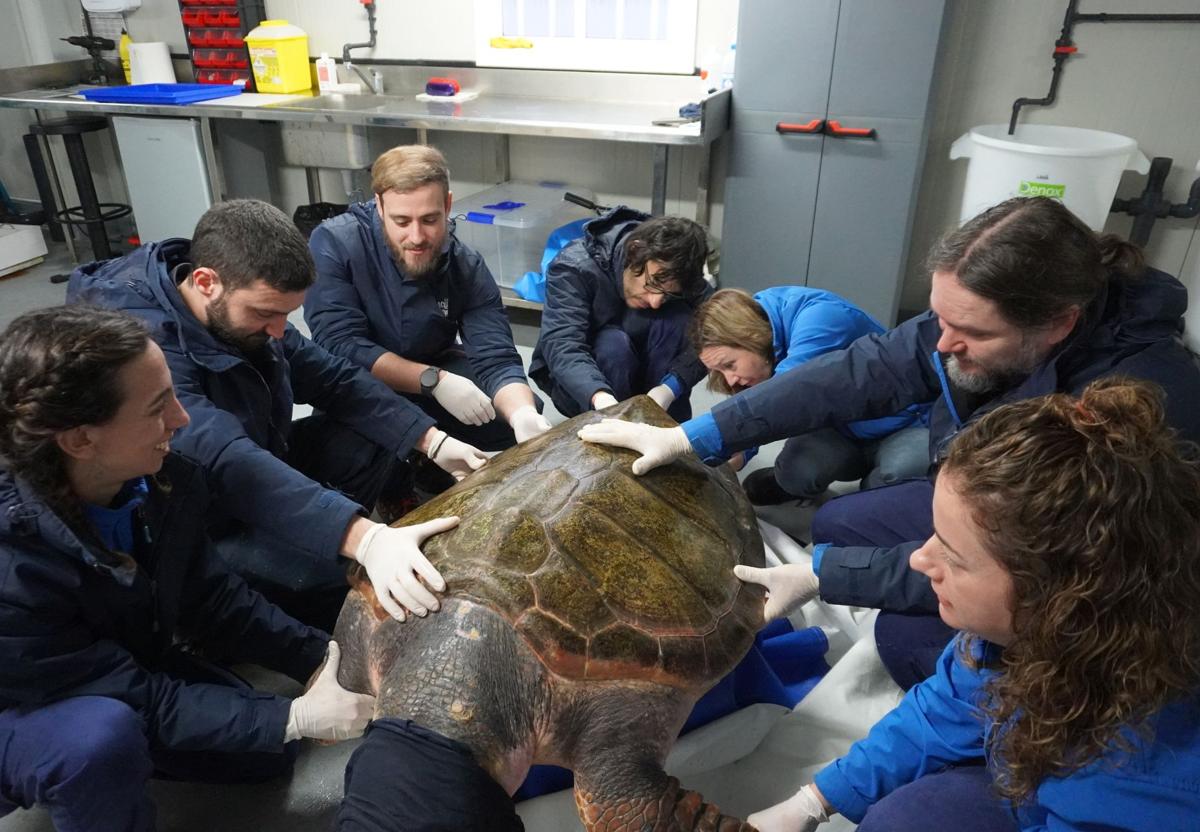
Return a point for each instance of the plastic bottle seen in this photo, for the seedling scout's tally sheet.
(725, 75)
(327, 78)
(123, 51)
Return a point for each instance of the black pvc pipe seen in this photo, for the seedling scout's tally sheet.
(1064, 43)
(370, 44)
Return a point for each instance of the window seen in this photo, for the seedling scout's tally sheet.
(613, 35)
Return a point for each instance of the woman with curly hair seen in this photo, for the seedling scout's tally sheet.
(1067, 552)
(110, 594)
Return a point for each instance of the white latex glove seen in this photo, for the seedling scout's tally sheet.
(603, 399)
(662, 395)
(466, 402)
(657, 446)
(788, 587)
(328, 711)
(802, 812)
(527, 423)
(395, 565)
(454, 457)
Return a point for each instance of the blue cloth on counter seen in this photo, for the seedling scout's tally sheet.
(782, 666)
(532, 286)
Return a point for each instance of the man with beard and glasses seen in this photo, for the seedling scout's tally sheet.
(1026, 300)
(398, 295)
(288, 495)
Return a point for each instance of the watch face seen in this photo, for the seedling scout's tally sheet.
(429, 378)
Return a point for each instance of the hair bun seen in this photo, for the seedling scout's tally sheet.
(1123, 410)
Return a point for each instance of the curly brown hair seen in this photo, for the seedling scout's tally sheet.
(732, 318)
(1093, 507)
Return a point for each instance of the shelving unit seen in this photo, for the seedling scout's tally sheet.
(215, 31)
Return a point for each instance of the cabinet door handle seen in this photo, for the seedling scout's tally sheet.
(814, 126)
(835, 128)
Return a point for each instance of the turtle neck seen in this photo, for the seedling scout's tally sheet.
(114, 523)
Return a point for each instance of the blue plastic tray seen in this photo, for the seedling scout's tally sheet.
(161, 93)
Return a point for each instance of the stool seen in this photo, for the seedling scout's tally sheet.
(90, 212)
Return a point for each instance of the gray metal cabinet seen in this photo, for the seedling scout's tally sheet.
(807, 200)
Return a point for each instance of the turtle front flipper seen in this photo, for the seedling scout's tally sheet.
(618, 735)
(657, 804)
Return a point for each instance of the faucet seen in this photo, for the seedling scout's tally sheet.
(375, 81)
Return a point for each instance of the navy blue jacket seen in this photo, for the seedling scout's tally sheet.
(241, 416)
(77, 620)
(363, 305)
(1133, 328)
(584, 293)
(940, 723)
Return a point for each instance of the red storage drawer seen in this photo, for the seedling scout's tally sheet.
(193, 17)
(231, 19)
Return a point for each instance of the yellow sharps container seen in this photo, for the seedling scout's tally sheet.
(279, 57)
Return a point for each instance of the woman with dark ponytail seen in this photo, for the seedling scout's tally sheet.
(1066, 551)
(107, 584)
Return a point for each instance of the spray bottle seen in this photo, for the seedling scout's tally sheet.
(123, 51)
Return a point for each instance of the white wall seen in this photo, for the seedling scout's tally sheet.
(1138, 79)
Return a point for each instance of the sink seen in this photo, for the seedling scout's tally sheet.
(338, 102)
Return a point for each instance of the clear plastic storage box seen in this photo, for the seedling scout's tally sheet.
(508, 224)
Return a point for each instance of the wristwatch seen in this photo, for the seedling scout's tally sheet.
(429, 379)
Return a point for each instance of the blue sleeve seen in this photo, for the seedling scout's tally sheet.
(564, 338)
(333, 306)
(936, 724)
(352, 396)
(867, 576)
(486, 334)
(818, 554)
(705, 439)
(822, 327)
(676, 386)
(247, 480)
(877, 375)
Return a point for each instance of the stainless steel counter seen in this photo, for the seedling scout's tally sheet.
(490, 113)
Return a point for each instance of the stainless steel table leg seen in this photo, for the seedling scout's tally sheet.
(48, 154)
(702, 184)
(313, 175)
(502, 161)
(658, 196)
(212, 160)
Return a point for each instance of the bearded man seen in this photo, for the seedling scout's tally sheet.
(400, 296)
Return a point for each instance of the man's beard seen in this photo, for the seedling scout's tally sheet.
(994, 377)
(424, 268)
(220, 326)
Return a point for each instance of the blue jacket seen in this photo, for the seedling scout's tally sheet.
(78, 620)
(1132, 328)
(363, 305)
(242, 414)
(939, 723)
(806, 323)
(584, 293)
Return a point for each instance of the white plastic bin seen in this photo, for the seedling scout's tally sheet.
(1079, 166)
(508, 224)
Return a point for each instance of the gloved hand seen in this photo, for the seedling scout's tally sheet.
(662, 395)
(603, 399)
(802, 812)
(657, 446)
(328, 711)
(454, 457)
(466, 402)
(393, 560)
(527, 423)
(789, 587)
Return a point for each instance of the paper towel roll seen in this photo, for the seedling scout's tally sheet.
(150, 63)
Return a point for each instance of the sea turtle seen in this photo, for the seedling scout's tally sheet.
(586, 611)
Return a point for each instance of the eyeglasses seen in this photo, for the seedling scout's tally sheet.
(654, 287)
